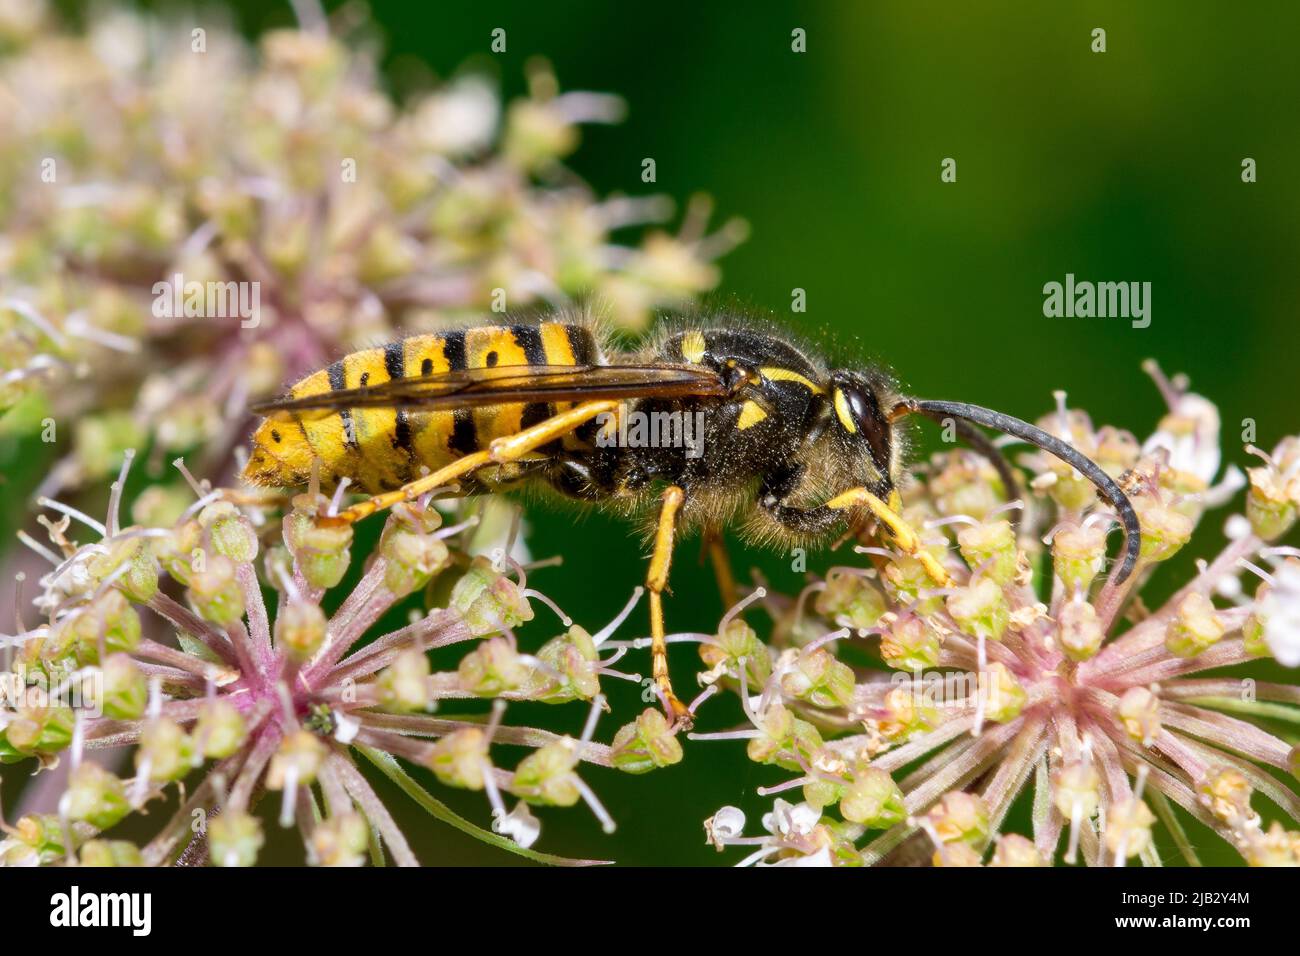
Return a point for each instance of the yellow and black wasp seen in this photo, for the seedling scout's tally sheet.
(788, 450)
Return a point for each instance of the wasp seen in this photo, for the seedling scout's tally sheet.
(785, 448)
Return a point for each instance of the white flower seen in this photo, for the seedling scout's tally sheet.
(787, 820)
(461, 119)
(520, 825)
(1280, 609)
(1190, 433)
(727, 824)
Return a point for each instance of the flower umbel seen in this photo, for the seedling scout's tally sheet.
(1037, 675)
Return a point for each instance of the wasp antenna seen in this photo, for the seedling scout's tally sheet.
(984, 447)
(1050, 443)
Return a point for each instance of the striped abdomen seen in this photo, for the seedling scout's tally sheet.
(383, 448)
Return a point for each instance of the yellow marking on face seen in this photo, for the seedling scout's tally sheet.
(751, 413)
(843, 413)
(778, 374)
(693, 347)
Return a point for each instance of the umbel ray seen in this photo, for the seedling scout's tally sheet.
(793, 451)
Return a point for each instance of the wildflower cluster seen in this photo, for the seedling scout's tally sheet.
(159, 643)
(252, 213)
(1035, 674)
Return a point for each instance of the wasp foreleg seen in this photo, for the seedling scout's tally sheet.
(904, 535)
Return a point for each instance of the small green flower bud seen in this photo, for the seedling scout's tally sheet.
(786, 739)
(904, 713)
(546, 775)
(910, 644)
(908, 578)
(961, 817)
(1128, 827)
(1271, 501)
(39, 838)
(955, 854)
(1015, 850)
(646, 743)
(165, 751)
(230, 533)
(1117, 451)
(819, 679)
(341, 840)
(300, 629)
(492, 667)
(216, 593)
(126, 689)
(404, 684)
(298, 760)
(220, 730)
(1164, 529)
(234, 839)
(1226, 793)
(573, 656)
(1078, 553)
(992, 547)
(412, 559)
(873, 799)
(1004, 696)
(459, 759)
(140, 582)
(967, 485)
(850, 600)
(96, 796)
(980, 609)
(536, 135)
(111, 853)
(161, 506)
(1196, 626)
(177, 552)
(488, 600)
(1139, 711)
(736, 641)
(38, 727)
(109, 622)
(321, 550)
(1079, 630)
(1076, 786)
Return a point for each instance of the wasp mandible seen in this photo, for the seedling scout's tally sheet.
(791, 451)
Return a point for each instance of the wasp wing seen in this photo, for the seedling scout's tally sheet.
(506, 384)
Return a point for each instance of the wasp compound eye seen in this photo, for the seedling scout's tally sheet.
(859, 414)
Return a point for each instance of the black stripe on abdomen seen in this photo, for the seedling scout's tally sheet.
(581, 344)
(529, 339)
(464, 433)
(395, 366)
(338, 381)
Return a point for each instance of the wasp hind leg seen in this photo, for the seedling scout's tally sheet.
(502, 451)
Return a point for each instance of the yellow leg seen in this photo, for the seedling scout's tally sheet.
(655, 583)
(906, 538)
(721, 567)
(502, 450)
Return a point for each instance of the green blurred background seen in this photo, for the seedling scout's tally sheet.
(1119, 166)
